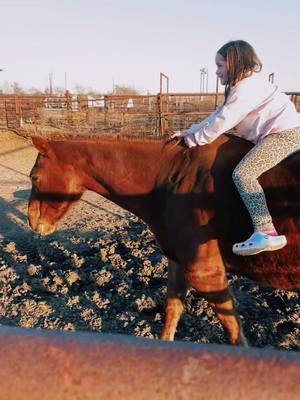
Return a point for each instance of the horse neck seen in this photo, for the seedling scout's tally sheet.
(126, 167)
(123, 170)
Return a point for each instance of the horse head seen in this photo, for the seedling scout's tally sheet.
(56, 185)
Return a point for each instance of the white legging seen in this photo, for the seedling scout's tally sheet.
(262, 157)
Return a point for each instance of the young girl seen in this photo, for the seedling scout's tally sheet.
(261, 113)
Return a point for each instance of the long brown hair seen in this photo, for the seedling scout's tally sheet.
(241, 60)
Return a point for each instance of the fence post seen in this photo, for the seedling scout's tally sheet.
(69, 107)
(105, 111)
(160, 116)
(6, 115)
(17, 113)
(20, 111)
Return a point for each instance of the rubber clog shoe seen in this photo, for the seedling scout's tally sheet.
(259, 242)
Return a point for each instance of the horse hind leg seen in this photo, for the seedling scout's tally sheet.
(176, 292)
(224, 307)
(208, 277)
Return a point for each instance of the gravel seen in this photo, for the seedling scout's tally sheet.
(103, 271)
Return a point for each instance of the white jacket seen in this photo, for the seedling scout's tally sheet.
(254, 107)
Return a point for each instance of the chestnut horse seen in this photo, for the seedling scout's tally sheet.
(188, 199)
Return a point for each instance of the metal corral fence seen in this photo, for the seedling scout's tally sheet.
(133, 115)
(149, 115)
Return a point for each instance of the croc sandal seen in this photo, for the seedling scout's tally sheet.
(259, 242)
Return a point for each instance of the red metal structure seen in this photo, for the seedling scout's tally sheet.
(48, 365)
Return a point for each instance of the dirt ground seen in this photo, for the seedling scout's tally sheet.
(102, 271)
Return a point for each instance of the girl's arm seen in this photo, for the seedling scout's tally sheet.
(239, 103)
(197, 127)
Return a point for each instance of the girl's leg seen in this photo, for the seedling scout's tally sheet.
(265, 155)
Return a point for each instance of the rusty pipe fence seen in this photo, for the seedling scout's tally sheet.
(149, 115)
(38, 364)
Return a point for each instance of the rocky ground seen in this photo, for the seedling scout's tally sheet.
(104, 272)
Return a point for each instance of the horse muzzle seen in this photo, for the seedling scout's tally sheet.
(38, 223)
(45, 229)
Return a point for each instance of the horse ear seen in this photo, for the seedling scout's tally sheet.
(42, 145)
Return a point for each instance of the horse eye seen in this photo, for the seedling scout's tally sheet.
(34, 178)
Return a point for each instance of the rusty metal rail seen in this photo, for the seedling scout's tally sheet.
(37, 364)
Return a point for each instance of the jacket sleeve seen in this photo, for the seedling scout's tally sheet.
(197, 127)
(239, 103)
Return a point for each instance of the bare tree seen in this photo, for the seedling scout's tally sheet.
(17, 88)
(124, 90)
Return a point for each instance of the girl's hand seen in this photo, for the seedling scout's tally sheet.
(189, 139)
(176, 134)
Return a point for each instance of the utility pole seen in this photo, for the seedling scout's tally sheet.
(66, 82)
(50, 83)
(203, 81)
(206, 80)
(113, 86)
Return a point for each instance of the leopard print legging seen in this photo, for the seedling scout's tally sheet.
(265, 155)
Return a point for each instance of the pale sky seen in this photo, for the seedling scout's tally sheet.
(129, 42)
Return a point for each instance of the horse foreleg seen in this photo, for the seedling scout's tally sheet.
(176, 292)
(207, 275)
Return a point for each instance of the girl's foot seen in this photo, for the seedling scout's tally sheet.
(258, 242)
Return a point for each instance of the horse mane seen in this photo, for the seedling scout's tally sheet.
(67, 136)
